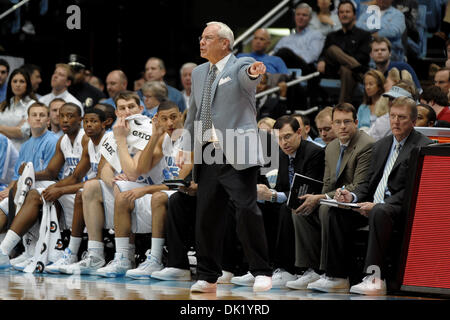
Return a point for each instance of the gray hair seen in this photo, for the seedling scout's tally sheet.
(157, 88)
(224, 32)
(187, 65)
(304, 5)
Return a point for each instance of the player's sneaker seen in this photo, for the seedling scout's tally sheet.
(4, 261)
(115, 268)
(67, 258)
(145, 269)
(88, 264)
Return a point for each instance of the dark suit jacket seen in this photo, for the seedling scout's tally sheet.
(309, 161)
(398, 176)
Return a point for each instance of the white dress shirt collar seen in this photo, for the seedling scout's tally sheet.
(221, 63)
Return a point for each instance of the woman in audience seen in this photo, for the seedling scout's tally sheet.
(154, 92)
(373, 89)
(14, 110)
(323, 19)
(266, 123)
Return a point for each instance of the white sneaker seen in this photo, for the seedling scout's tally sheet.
(145, 269)
(302, 282)
(89, 263)
(280, 277)
(4, 261)
(262, 283)
(22, 265)
(225, 278)
(202, 286)
(115, 268)
(67, 258)
(370, 285)
(329, 284)
(246, 280)
(24, 256)
(172, 274)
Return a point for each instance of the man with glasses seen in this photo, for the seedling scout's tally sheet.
(297, 156)
(347, 160)
(380, 198)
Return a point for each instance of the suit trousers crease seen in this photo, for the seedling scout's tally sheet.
(217, 183)
(311, 239)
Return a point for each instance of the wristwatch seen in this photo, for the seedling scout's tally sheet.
(273, 198)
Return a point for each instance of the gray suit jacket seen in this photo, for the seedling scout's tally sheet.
(354, 166)
(232, 109)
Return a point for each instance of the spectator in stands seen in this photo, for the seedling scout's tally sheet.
(154, 93)
(97, 83)
(380, 198)
(61, 80)
(347, 161)
(391, 25)
(381, 54)
(305, 126)
(296, 156)
(411, 37)
(373, 89)
(13, 111)
(185, 75)
(4, 72)
(260, 44)
(323, 18)
(442, 80)
(394, 76)
(426, 116)
(116, 81)
(155, 70)
(35, 77)
(266, 123)
(381, 127)
(324, 126)
(54, 107)
(272, 105)
(138, 83)
(346, 52)
(82, 90)
(447, 51)
(302, 48)
(438, 100)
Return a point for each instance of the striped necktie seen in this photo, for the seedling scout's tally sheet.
(205, 111)
(381, 188)
(291, 169)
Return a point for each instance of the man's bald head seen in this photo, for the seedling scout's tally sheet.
(261, 41)
(116, 81)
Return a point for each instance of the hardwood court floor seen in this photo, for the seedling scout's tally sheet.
(15, 285)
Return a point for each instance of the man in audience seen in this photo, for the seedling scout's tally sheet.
(426, 116)
(391, 25)
(87, 94)
(155, 70)
(305, 126)
(380, 198)
(185, 75)
(61, 80)
(297, 156)
(54, 106)
(116, 81)
(347, 161)
(346, 52)
(438, 100)
(381, 54)
(4, 71)
(260, 44)
(35, 77)
(302, 48)
(442, 80)
(324, 126)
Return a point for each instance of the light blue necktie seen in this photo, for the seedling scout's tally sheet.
(341, 155)
(381, 188)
